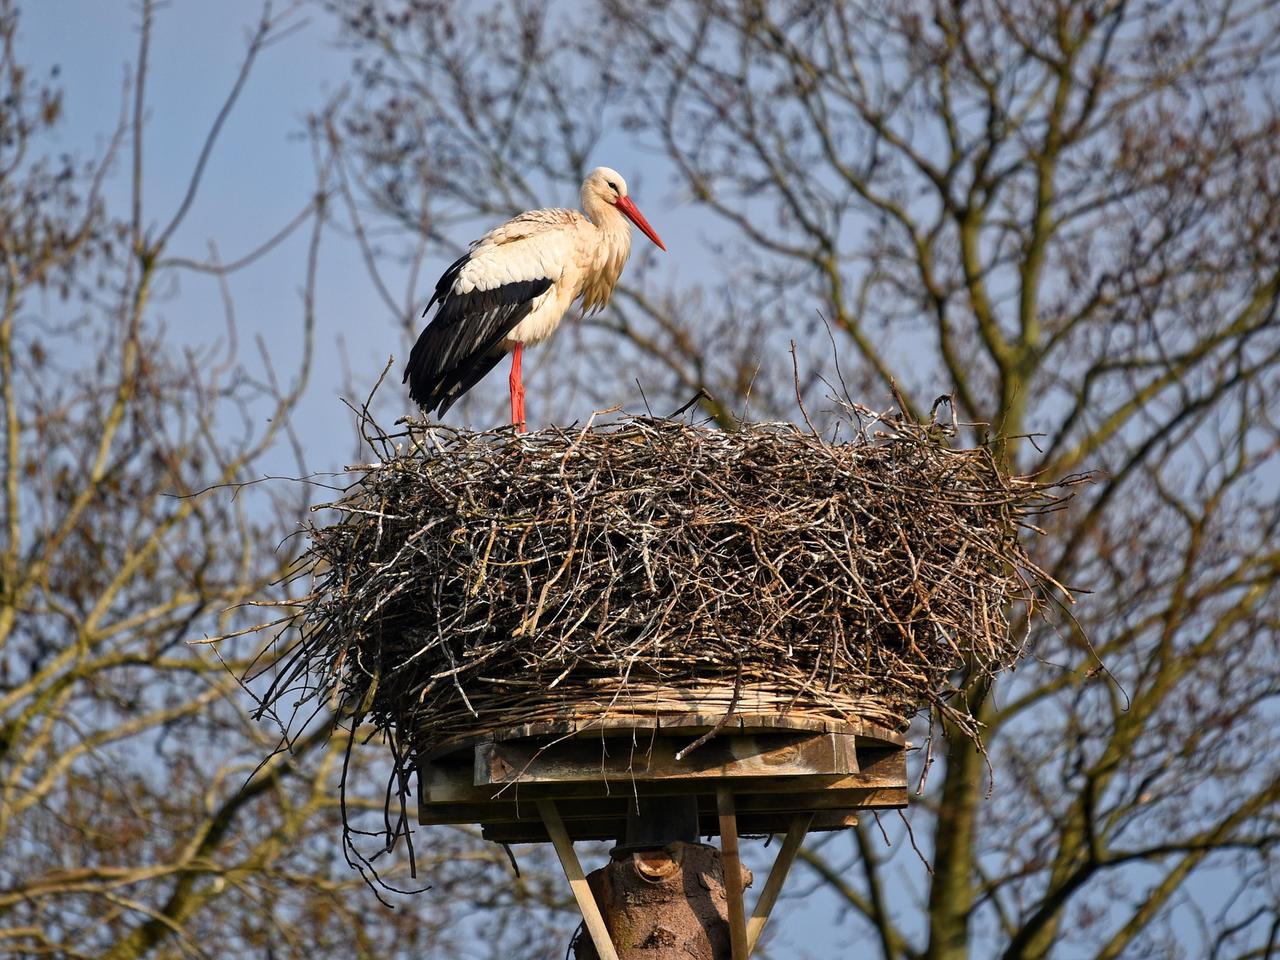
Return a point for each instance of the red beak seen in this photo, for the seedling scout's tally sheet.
(635, 216)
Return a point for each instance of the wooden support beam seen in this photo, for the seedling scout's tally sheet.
(454, 786)
(577, 881)
(732, 872)
(639, 729)
(610, 828)
(785, 754)
(749, 807)
(451, 780)
(777, 876)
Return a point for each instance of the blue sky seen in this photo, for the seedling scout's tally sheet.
(259, 177)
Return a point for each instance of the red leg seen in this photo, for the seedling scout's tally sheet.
(517, 390)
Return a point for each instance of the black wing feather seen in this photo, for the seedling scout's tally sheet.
(445, 283)
(475, 373)
(458, 346)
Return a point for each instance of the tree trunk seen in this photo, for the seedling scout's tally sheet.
(663, 903)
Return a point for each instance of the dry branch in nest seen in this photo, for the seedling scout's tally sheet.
(483, 580)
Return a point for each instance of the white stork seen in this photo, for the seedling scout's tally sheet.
(514, 285)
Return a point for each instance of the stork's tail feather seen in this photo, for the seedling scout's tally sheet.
(436, 394)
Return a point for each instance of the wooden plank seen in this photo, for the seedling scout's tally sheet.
(613, 808)
(754, 825)
(439, 790)
(732, 872)
(886, 764)
(618, 806)
(870, 798)
(451, 784)
(777, 876)
(528, 831)
(771, 755)
(692, 724)
(577, 881)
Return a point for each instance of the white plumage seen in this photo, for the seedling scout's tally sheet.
(515, 284)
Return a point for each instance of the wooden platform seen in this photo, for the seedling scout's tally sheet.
(775, 767)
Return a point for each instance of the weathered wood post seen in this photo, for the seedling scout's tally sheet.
(662, 891)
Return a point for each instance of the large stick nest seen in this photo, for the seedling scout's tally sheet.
(478, 581)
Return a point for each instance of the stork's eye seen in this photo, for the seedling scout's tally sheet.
(613, 186)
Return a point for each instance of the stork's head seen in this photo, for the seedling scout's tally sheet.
(606, 186)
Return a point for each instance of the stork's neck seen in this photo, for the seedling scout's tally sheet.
(613, 227)
(604, 215)
(607, 251)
